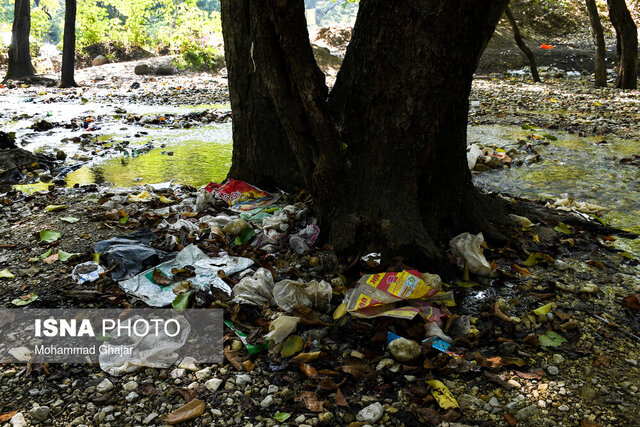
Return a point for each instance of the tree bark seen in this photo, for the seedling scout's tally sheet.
(627, 44)
(384, 153)
(523, 47)
(598, 42)
(262, 154)
(19, 55)
(69, 45)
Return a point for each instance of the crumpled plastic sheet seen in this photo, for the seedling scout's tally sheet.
(256, 290)
(468, 247)
(206, 270)
(148, 351)
(286, 294)
(131, 253)
(276, 226)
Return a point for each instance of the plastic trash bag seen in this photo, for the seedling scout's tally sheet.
(241, 196)
(396, 294)
(149, 351)
(467, 247)
(256, 290)
(86, 272)
(288, 294)
(281, 328)
(206, 274)
(473, 153)
(131, 253)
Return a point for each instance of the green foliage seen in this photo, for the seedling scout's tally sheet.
(93, 24)
(185, 26)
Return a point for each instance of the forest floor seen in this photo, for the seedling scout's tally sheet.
(586, 373)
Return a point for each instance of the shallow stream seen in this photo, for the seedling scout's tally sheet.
(118, 150)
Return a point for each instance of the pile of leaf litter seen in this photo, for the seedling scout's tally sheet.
(547, 334)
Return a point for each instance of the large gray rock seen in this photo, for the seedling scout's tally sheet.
(99, 60)
(39, 413)
(142, 69)
(165, 70)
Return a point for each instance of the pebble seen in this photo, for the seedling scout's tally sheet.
(39, 413)
(177, 373)
(203, 374)
(188, 363)
(371, 413)
(131, 397)
(633, 362)
(130, 386)
(560, 265)
(563, 408)
(242, 380)
(213, 384)
(266, 402)
(18, 420)
(527, 413)
(152, 416)
(300, 419)
(553, 370)
(385, 363)
(558, 359)
(405, 350)
(272, 389)
(104, 386)
(494, 402)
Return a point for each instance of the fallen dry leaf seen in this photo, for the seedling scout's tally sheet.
(7, 416)
(359, 369)
(187, 412)
(632, 301)
(159, 277)
(340, 400)
(310, 400)
(307, 316)
(233, 358)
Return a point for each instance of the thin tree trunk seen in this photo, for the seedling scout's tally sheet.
(19, 55)
(523, 47)
(627, 44)
(598, 42)
(69, 45)
(262, 154)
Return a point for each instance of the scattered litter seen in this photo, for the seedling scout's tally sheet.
(87, 272)
(467, 249)
(288, 293)
(130, 253)
(134, 351)
(206, 271)
(241, 196)
(402, 295)
(443, 395)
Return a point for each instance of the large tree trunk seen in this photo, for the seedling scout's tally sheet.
(385, 156)
(69, 45)
(598, 42)
(19, 55)
(627, 44)
(523, 47)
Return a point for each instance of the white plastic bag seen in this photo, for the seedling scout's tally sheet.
(256, 290)
(288, 294)
(467, 247)
(149, 351)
